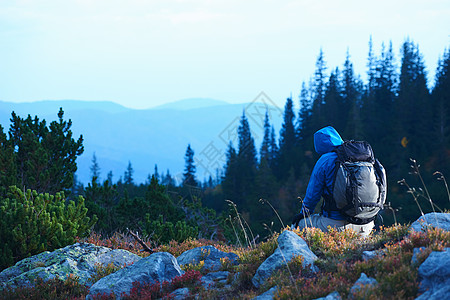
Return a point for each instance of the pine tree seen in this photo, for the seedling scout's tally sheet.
(109, 177)
(128, 175)
(31, 223)
(264, 153)
(156, 173)
(265, 180)
(371, 69)
(441, 105)
(273, 154)
(334, 109)
(95, 169)
(45, 156)
(101, 201)
(304, 118)
(319, 87)
(413, 106)
(8, 167)
(352, 95)
(230, 181)
(287, 157)
(189, 168)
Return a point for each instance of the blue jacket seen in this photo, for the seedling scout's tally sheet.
(322, 177)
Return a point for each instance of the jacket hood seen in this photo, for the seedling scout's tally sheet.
(326, 139)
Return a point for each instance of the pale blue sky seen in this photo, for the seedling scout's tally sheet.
(144, 53)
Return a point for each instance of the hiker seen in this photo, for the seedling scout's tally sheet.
(371, 193)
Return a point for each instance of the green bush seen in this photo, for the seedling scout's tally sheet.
(164, 232)
(31, 223)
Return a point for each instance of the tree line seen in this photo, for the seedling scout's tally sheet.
(395, 111)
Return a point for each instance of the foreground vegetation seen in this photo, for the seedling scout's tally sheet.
(340, 265)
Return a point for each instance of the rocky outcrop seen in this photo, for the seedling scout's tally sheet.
(438, 220)
(290, 245)
(434, 276)
(78, 259)
(362, 287)
(158, 267)
(210, 255)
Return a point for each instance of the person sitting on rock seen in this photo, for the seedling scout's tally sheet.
(326, 141)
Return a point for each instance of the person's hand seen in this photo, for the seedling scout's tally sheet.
(297, 219)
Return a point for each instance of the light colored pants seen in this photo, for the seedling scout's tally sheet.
(321, 222)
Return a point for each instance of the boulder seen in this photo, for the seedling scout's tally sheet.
(180, 294)
(78, 259)
(267, 295)
(211, 279)
(209, 255)
(368, 255)
(362, 287)
(439, 220)
(158, 267)
(434, 276)
(416, 252)
(290, 245)
(333, 296)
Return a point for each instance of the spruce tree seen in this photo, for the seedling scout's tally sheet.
(95, 169)
(319, 87)
(265, 145)
(441, 106)
(334, 108)
(128, 175)
(189, 168)
(352, 97)
(287, 157)
(230, 181)
(413, 107)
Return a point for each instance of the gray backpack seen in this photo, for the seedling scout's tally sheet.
(359, 188)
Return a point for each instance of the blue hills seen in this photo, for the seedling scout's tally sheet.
(145, 137)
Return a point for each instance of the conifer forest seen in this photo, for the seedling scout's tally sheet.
(401, 112)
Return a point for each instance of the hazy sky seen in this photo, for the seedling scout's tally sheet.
(144, 53)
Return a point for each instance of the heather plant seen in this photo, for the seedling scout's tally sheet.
(116, 241)
(31, 223)
(177, 248)
(193, 267)
(53, 289)
(156, 290)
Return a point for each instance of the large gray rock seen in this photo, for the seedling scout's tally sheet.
(290, 245)
(267, 295)
(161, 266)
(362, 286)
(333, 296)
(78, 259)
(434, 274)
(180, 294)
(209, 254)
(439, 220)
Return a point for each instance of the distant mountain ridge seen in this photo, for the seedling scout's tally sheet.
(191, 103)
(160, 135)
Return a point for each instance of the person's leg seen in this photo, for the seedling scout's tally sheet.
(362, 230)
(321, 222)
